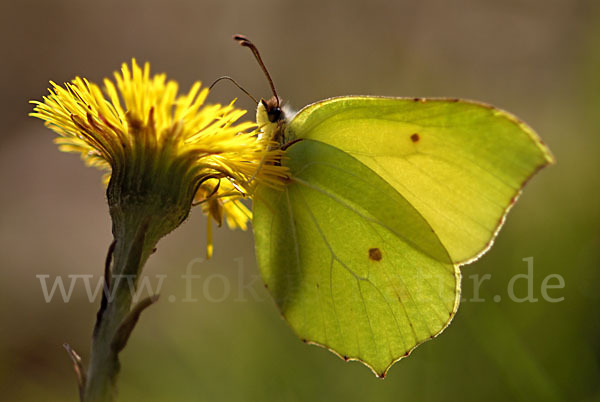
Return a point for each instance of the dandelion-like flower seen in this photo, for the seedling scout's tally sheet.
(164, 152)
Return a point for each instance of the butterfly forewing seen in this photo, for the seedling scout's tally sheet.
(460, 164)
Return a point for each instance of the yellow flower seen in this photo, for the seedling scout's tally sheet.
(163, 151)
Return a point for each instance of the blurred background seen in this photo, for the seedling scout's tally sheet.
(538, 59)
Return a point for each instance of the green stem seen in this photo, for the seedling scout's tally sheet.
(116, 317)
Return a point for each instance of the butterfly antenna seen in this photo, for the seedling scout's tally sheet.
(244, 41)
(225, 77)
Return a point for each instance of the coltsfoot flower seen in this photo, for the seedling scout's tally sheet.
(164, 152)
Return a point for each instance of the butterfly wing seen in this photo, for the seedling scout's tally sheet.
(387, 197)
(352, 265)
(461, 164)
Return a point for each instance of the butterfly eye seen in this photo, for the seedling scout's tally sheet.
(274, 114)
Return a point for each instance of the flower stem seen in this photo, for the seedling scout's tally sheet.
(116, 318)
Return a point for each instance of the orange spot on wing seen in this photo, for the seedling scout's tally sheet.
(375, 254)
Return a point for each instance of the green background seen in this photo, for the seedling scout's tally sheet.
(537, 59)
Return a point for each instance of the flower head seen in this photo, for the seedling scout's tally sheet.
(163, 151)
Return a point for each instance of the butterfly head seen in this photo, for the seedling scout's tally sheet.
(273, 109)
(271, 115)
(270, 118)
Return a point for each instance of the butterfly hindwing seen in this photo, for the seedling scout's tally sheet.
(351, 264)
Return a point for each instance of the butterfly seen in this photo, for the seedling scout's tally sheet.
(387, 198)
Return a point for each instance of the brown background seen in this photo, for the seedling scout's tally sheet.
(538, 59)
